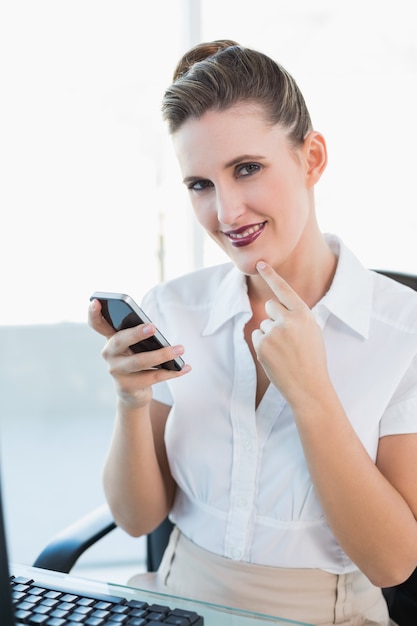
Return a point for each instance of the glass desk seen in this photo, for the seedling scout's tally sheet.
(214, 615)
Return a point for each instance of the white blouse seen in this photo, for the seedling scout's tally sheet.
(244, 490)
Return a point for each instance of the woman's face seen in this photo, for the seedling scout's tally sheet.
(250, 189)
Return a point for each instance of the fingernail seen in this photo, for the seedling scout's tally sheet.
(261, 265)
(148, 329)
(178, 350)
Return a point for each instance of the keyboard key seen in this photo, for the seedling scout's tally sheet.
(49, 602)
(83, 610)
(66, 606)
(85, 601)
(37, 620)
(36, 591)
(59, 614)
(94, 621)
(31, 599)
(159, 608)
(155, 617)
(192, 616)
(105, 606)
(68, 597)
(25, 606)
(137, 613)
(120, 609)
(177, 621)
(118, 619)
(54, 595)
(41, 610)
(16, 580)
(137, 604)
(100, 614)
(20, 587)
(22, 614)
(76, 618)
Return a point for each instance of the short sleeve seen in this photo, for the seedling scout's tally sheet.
(401, 414)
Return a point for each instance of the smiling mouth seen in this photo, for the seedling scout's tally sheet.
(245, 235)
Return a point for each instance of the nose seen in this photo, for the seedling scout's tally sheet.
(229, 205)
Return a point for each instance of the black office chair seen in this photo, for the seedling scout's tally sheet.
(65, 549)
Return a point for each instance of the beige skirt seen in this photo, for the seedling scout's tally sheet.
(305, 595)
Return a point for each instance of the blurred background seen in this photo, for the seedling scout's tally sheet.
(91, 199)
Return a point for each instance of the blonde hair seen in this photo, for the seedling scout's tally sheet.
(220, 74)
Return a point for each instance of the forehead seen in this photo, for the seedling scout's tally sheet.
(220, 136)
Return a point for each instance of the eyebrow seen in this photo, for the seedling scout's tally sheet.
(243, 158)
(235, 161)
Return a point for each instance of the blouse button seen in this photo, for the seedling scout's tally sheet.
(236, 553)
(247, 444)
(241, 502)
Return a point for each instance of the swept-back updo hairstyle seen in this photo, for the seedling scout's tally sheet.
(220, 74)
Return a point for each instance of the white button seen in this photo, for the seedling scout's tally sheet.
(236, 553)
(241, 502)
(247, 444)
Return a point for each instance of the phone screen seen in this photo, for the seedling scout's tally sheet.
(122, 312)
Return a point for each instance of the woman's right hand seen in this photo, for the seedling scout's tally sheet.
(133, 373)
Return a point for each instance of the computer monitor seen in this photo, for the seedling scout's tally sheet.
(6, 606)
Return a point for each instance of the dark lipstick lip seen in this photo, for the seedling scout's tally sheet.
(246, 241)
(242, 229)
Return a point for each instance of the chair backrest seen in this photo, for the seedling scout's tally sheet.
(401, 277)
(156, 542)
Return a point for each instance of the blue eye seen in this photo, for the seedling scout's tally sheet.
(247, 169)
(199, 185)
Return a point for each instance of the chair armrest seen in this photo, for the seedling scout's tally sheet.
(62, 552)
(403, 608)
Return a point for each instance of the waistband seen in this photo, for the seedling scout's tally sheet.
(311, 596)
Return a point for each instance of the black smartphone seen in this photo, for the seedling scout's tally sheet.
(121, 311)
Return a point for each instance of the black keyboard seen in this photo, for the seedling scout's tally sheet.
(40, 604)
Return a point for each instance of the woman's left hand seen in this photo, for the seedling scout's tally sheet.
(289, 343)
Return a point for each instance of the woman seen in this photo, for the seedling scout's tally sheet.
(286, 456)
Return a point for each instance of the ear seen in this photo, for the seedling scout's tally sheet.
(315, 153)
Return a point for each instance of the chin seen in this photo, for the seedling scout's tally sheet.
(244, 260)
(248, 268)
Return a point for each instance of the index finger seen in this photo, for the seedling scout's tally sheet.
(285, 294)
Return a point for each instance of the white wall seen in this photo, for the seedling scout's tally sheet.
(88, 177)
